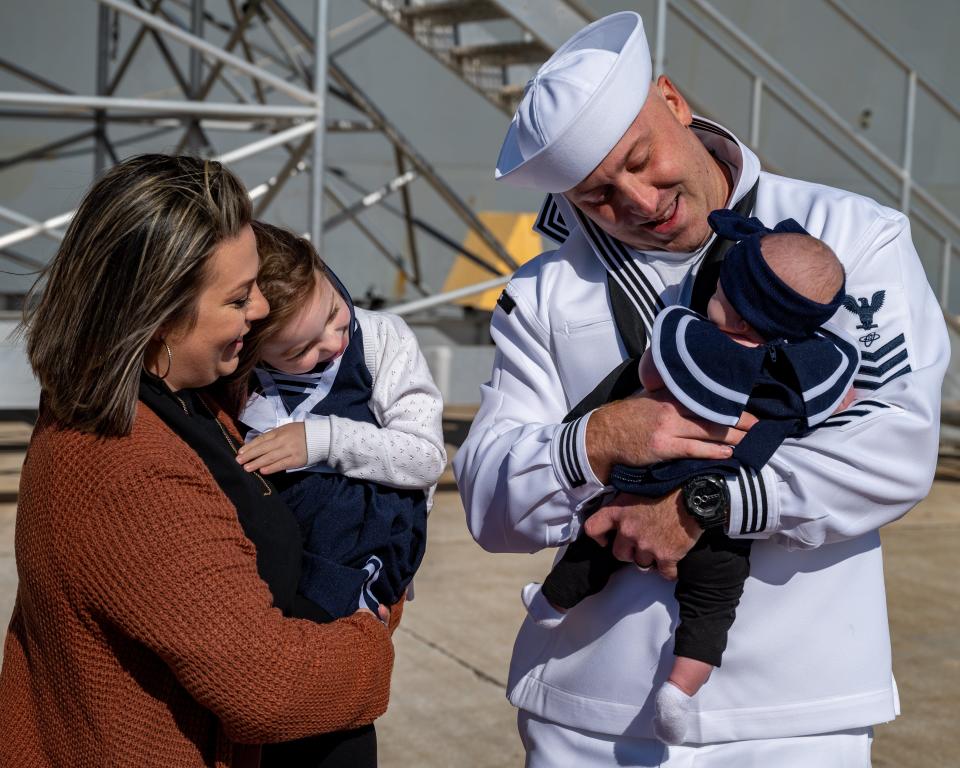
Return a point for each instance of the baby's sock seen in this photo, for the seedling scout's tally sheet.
(539, 608)
(670, 720)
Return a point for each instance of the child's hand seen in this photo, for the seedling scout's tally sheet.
(383, 613)
(847, 400)
(281, 448)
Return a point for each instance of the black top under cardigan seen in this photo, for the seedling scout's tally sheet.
(265, 518)
(271, 527)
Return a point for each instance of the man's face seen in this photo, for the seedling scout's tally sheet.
(654, 189)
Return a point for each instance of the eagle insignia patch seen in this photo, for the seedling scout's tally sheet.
(865, 311)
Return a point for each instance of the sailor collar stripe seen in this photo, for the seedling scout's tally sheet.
(703, 125)
(704, 370)
(626, 270)
(614, 255)
(550, 222)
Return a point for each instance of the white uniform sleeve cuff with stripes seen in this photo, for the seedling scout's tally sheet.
(754, 504)
(572, 466)
(318, 439)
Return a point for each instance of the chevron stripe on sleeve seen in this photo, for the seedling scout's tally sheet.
(881, 365)
(859, 410)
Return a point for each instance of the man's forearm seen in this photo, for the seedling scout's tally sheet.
(648, 428)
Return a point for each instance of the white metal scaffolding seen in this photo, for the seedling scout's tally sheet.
(282, 64)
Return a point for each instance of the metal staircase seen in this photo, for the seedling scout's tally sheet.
(888, 178)
(495, 45)
(466, 37)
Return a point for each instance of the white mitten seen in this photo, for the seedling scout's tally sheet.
(539, 608)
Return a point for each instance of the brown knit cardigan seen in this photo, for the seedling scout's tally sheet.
(142, 634)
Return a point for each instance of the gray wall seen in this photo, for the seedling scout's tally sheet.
(460, 132)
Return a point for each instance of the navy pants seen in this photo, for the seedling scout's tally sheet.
(362, 541)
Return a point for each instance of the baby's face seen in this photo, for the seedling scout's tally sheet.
(318, 333)
(722, 314)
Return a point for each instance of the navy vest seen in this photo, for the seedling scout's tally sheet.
(362, 541)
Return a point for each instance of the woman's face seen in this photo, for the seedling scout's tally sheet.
(228, 303)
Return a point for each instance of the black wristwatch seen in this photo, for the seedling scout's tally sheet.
(707, 500)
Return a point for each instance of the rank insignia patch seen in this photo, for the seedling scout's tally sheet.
(865, 311)
(506, 302)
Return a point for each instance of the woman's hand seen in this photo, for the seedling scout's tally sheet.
(274, 451)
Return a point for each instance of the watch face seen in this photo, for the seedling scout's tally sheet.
(706, 497)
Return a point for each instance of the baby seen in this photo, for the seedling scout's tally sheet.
(762, 350)
(340, 403)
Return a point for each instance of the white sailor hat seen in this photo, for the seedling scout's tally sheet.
(578, 105)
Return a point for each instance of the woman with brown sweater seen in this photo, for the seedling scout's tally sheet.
(154, 622)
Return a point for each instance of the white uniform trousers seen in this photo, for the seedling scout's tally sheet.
(550, 745)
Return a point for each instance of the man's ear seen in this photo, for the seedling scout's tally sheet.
(674, 100)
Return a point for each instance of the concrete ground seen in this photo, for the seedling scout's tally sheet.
(453, 648)
(448, 707)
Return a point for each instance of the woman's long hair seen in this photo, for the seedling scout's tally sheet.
(132, 260)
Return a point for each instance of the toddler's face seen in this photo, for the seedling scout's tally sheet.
(318, 333)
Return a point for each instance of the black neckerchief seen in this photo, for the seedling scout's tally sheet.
(265, 519)
(705, 283)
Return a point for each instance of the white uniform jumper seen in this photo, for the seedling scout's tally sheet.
(810, 651)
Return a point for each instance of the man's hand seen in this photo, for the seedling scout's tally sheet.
(651, 427)
(646, 531)
(279, 449)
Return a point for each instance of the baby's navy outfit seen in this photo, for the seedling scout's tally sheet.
(363, 541)
(790, 386)
(791, 383)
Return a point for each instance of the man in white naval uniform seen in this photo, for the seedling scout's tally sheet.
(807, 670)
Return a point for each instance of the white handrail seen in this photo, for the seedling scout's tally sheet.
(232, 156)
(444, 298)
(813, 101)
(835, 133)
(893, 55)
(197, 43)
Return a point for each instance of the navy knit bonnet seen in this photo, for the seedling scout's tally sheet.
(770, 306)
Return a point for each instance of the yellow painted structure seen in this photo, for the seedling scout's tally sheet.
(515, 231)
